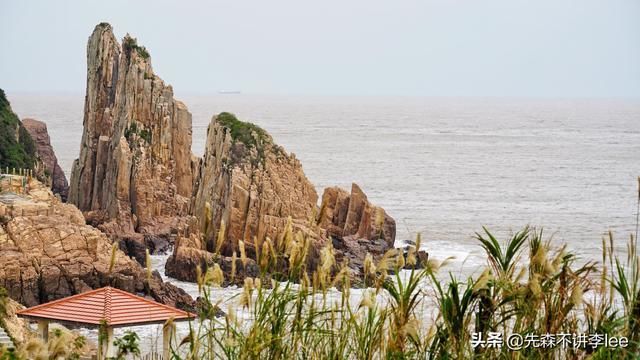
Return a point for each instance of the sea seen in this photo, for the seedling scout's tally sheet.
(442, 167)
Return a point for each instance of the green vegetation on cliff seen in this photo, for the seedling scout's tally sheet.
(17, 149)
(245, 132)
(130, 43)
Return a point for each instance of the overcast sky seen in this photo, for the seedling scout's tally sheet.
(339, 47)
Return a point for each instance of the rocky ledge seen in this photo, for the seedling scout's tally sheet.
(48, 252)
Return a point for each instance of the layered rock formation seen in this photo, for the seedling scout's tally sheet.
(134, 173)
(39, 134)
(253, 186)
(355, 225)
(351, 215)
(137, 180)
(48, 252)
(250, 184)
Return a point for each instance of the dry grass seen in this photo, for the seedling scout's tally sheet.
(528, 286)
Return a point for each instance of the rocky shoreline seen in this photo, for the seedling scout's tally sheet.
(137, 180)
(136, 186)
(48, 252)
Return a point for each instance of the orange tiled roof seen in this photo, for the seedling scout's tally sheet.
(116, 307)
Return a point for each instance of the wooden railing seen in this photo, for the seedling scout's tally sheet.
(152, 356)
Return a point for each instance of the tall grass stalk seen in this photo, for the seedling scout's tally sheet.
(528, 287)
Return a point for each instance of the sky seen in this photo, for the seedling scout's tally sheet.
(540, 48)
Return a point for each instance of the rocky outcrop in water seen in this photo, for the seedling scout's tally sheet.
(136, 179)
(48, 252)
(351, 215)
(250, 184)
(253, 186)
(355, 226)
(133, 178)
(44, 150)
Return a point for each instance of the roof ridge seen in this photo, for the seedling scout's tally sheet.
(107, 304)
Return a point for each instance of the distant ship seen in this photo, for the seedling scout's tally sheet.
(229, 92)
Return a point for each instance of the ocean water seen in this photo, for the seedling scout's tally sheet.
(444, 167)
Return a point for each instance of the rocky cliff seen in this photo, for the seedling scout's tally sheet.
(48, 252)
(133, 177)
(355, 226)
(55, 175)
(137, 180)
(254, 186)
(250, 184)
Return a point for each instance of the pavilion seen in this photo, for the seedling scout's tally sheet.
(106, 308)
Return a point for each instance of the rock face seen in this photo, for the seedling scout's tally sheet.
(249, 183)
(48, 252)
(137, 180)
(355, 226)
(134, 174)
(351, 215)
(38, 131)
(16, 327)
(253, 186)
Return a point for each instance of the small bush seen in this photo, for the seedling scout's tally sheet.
(142, 51)
(146, 135)
(245, 132)
(130, 44)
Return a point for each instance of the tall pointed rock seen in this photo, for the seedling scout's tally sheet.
(134, 171)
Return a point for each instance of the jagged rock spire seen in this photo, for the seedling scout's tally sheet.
(134, 170)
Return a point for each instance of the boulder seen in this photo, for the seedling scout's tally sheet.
(351, 215)
(182, 264)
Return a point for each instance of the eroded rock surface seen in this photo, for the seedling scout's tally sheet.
(48, 252)
(251, 184)
(351, 215)
(44, 150)
(133, 178)
(136, 179)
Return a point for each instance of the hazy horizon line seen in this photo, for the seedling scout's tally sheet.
(180, 94)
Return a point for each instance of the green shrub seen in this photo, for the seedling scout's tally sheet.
(17, 148)
(146, 135)
(245, 132)
(130, 44)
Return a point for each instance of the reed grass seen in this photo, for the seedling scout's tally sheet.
(528, 287)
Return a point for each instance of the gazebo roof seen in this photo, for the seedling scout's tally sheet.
(116, 307)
